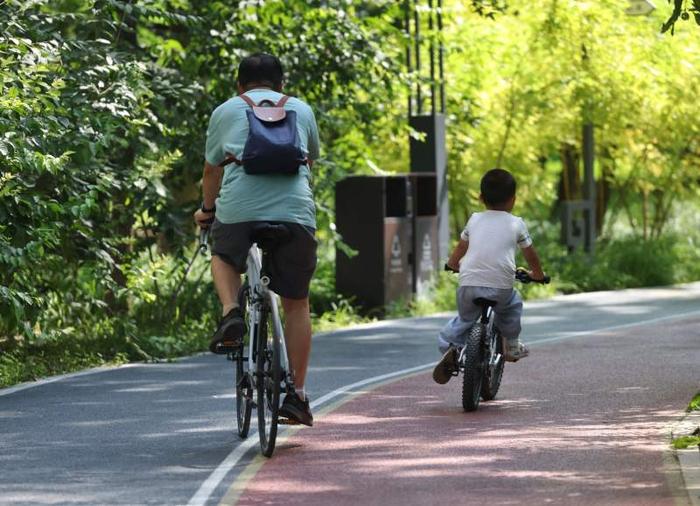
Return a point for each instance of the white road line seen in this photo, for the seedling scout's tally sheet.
(582, 333)
(202, 495)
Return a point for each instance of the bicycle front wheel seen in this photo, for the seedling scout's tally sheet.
(269, 377)
(473, 368)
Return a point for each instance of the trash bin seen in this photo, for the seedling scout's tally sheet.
(374, 218)
(425, 231)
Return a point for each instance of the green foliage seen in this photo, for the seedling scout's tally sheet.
(684, 442)
(103, 110)
(627, 263)
(694, 404)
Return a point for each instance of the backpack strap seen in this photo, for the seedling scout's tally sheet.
(248, 100)
(252, 103)
(230, 159)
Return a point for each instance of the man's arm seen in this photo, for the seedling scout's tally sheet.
(211, 184)
(457, 254)
(534, 262)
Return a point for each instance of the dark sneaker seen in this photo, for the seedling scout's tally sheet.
(515, 351)
(447, 367)
(229, 334)
(296, 410)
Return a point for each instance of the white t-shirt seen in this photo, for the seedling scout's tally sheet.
(490, 259)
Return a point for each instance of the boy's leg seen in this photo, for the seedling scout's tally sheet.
(454, 333)
(508, 314)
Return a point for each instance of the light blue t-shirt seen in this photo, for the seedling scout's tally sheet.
(262, 197)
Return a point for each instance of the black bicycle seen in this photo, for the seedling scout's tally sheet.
(482, 358)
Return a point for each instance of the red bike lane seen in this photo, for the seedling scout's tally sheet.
(581, 421)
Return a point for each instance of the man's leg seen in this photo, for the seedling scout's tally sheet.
(231, 327)
(297, 331)
(227, 282)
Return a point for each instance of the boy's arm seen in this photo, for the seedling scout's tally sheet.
(457, 254)
(534, 262)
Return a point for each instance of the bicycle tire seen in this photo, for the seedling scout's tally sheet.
(493, 376)
(269, 377)
(473, 368)
(244, 386)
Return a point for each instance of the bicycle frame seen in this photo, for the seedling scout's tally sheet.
(259, 296)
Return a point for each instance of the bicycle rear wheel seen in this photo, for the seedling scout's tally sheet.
(269, 377)
(493, 374)
(473, 368)
(244, 394)
(244, 385)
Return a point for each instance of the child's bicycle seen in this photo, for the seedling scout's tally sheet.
(482, 359)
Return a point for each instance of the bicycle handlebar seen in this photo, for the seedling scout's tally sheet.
(450, 269)
(520, 274)
(524, 277)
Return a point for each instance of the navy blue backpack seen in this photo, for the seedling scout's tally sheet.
(272, 146)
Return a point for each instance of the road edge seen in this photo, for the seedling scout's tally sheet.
(688, 460)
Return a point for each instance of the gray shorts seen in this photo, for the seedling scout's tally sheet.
(290, 266)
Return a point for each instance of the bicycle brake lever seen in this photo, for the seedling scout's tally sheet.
(203, 240)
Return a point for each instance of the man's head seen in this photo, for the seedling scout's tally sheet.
(498, 190)
(260, 70)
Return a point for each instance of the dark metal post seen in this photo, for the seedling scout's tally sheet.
(431, 47)
(416, 22)
(409, 64)
(589, 184)
(441, 58)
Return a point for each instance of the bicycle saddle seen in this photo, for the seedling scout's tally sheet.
(480, 301)
(268, 235)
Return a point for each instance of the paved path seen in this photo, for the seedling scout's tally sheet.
(156, 433)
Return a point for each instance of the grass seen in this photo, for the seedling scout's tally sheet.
(683, 442)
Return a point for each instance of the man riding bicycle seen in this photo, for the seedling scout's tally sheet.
(247, 199)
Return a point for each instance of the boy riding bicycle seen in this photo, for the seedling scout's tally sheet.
(485, 258)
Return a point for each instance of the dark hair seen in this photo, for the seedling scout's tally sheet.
(260, 68)
(497, 187)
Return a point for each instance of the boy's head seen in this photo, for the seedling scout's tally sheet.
(260, 70)
(498, 190)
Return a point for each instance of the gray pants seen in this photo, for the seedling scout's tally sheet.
(508, 309)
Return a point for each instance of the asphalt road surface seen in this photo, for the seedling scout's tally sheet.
(583, 420)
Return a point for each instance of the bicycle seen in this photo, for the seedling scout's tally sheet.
(482, 360)
(264, 371)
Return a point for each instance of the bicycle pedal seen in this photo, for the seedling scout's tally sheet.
(229, 351)
(287, 421)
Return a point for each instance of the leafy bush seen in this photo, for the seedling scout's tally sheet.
(628, 263)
